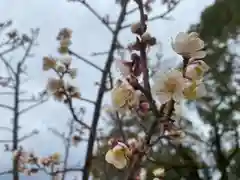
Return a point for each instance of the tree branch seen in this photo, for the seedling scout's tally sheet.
(88, 160)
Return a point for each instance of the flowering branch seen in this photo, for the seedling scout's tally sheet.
(168, 89)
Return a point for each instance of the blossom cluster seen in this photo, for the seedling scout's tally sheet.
(59, 87)
(168, 88)
(29, 163)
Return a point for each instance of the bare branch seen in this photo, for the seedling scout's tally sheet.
(32, 106)
(6, 129)
(6, 107)
(161, 16)
(88, 160)
(69, 101)
(85, 60)
(88, 100)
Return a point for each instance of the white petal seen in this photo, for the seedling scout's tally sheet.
(120, 163)
(159, 172)
(66, 59)
(143, 174)
(180, 42)
(181, 37)
(123, 69)
(199, 54)
(163, 97)
(204, 66)
(122, 145)
(174, 73)
(193, 35)
(195, 44)
(201, 90)
(177, 96)
(109, 157)
(159, 77)
(178, 109)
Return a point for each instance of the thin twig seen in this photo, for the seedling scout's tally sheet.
(161, 16)
(84, 60)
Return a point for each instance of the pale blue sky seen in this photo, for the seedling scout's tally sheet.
(89, 35)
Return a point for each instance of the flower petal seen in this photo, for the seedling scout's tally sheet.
(177, 96)
(199, 54)
(109, 157)
(193, 35)
(120, 163)
(181, 37)
(163, 97)
(195, 44)
(201, 91)
(123, 68)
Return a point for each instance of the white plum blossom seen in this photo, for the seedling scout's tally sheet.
(143, 174)
(124, 97)
(159, 172)
(168, 85)
(196, 70)
(189, 45)
(118, 155)
(194, 90)
(60, 67)
(65, 59)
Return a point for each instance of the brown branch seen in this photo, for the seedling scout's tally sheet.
(161, 16)
(32, 106)
(88, 160)
(6, 129)
(16, 121)
(6, 172)
(84, 60)
(71, 108)
(4, 106)
(88, 101)
(67, 147)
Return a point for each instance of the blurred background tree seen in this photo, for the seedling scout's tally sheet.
(217, 156)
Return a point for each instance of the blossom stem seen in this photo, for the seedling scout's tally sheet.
(143, 56)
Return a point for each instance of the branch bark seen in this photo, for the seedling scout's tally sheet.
(92, 136)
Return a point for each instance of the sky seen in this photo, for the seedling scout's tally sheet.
(89, 35)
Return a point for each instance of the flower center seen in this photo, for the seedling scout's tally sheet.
(170, 85)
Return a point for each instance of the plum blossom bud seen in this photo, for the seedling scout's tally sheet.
(65, 43)
(76, 139)
(146, 37)
(55, 157)
(136, 27)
